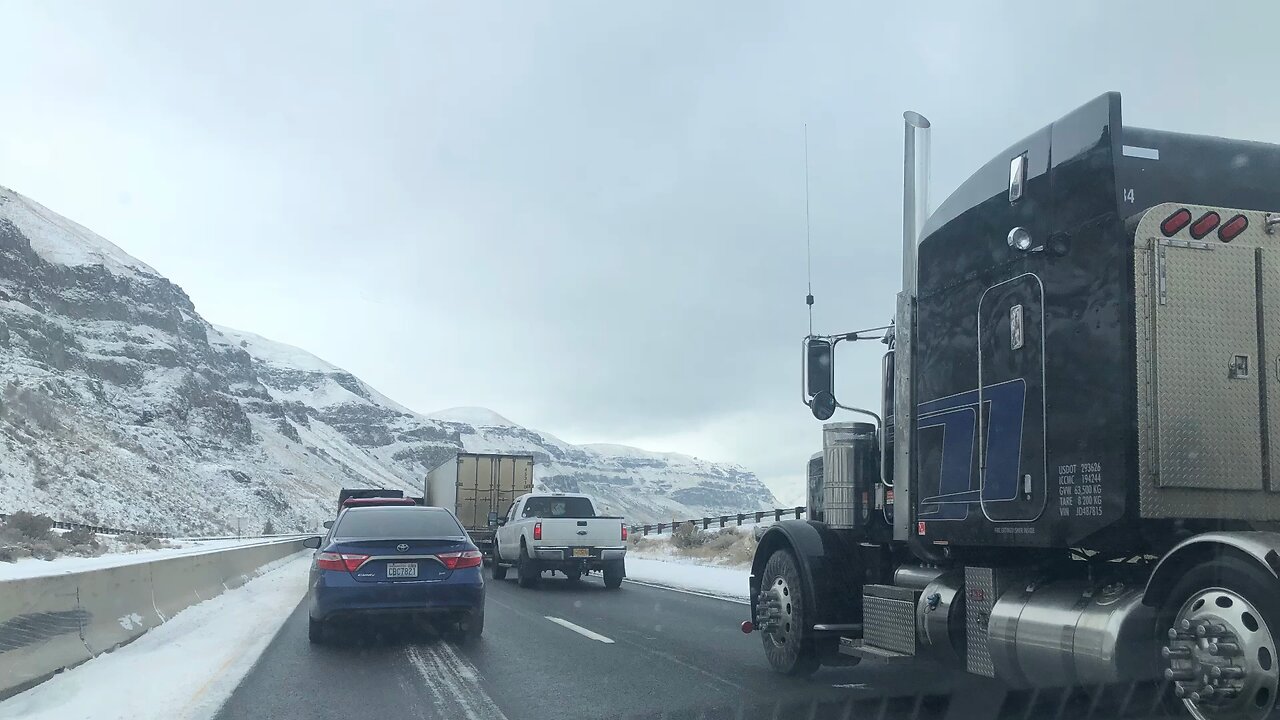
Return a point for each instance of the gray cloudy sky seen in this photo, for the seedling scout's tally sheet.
(588, 216)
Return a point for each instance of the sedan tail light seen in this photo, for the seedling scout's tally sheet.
(537, 531)
(340, 561)
(460, 560)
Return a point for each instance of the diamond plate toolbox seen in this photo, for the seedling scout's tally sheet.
(1207, 334)
(982, 587)
(889, 617)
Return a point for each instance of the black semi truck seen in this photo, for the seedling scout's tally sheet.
(1074, 479)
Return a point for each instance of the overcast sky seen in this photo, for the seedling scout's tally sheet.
(587, 216)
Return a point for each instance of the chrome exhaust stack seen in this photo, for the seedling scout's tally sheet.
(915, 210)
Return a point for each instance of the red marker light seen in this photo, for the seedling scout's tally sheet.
(747, 627)
(1175, 222)
(1232, 228)
(1205, 224)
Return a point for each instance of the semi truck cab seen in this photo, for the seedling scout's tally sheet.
(1070, 478)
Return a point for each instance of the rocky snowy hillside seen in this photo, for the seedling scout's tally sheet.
(120, 405)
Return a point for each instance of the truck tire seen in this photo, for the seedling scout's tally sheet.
(527, 570)
(790, 650)
(316, 631)
(497, 570)
(613, 574)
(1236, 593)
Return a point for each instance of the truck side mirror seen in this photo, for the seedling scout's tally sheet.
(819, 366)
(823, 405)
(493, 518)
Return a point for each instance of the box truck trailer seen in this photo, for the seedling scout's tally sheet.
(479, 488)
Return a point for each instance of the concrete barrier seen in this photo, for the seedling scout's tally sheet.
(55, 622)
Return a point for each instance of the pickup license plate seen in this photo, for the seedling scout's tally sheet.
(402, 570)
(582, 552)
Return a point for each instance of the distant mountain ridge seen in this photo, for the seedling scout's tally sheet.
(120, 405)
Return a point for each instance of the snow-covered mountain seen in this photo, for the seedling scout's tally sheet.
(120, 405)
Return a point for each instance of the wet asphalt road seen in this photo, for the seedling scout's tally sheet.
(669, 655)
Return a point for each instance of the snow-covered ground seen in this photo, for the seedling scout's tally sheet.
(31, 567)
(191, 663)
(729, 583)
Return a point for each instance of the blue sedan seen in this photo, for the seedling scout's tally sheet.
(409, 562)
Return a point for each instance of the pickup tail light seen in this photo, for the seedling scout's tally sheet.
(460, 560)
(624, 532)
(340, 561)
(537, 531)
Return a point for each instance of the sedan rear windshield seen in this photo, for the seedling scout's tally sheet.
(559, 507)
(402, 523)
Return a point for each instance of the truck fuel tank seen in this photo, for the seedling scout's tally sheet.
(1092, 635)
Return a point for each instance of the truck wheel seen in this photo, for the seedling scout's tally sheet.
(497, 570)
(781, 607)
(315, 631)
(1217, 633)
(527, 572)
(613, 574)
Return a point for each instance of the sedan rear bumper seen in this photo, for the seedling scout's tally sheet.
(336, 593)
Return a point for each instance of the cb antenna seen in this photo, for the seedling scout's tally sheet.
(808, 244)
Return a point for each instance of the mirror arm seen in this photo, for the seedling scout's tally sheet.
(879, 422)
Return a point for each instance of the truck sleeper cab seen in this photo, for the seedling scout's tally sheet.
(1086, 417)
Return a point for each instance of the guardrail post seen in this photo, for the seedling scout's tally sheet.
(659, 528)
(723, 519)
(799, 511)
(740, 518)
(759, 515)
(706, 523)
(777, 515)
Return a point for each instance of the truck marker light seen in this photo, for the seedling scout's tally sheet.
(1175, 222)
(747, 627)
(1205, 224)
(1020, 239)
(1232, 228)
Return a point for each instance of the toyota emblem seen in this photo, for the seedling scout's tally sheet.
(402, 547)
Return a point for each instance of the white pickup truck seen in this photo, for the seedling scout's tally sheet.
(559, 532)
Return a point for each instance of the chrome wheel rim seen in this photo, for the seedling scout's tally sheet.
(776, 610)
(1221, 658)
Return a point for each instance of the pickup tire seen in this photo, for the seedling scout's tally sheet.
(497, 570)
(573, 576)
(527, 570)
(613, 574)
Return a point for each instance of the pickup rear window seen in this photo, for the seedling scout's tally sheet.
(559, 507)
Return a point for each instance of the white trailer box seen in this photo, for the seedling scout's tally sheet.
(473, 484)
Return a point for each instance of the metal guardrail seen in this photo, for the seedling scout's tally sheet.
(60, 525)
(755, 516)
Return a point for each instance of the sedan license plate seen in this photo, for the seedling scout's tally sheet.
(582, 552)
(402, 570)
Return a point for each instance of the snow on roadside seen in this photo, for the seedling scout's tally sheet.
(729, 583)
(32, 567)
(190, 664)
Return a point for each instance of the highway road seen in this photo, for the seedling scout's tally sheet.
(567, 652)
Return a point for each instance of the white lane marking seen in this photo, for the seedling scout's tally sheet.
(726, 598)
(449, 674)
(579, 629)
(852, 686)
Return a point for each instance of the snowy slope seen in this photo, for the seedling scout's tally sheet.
(120, 405)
